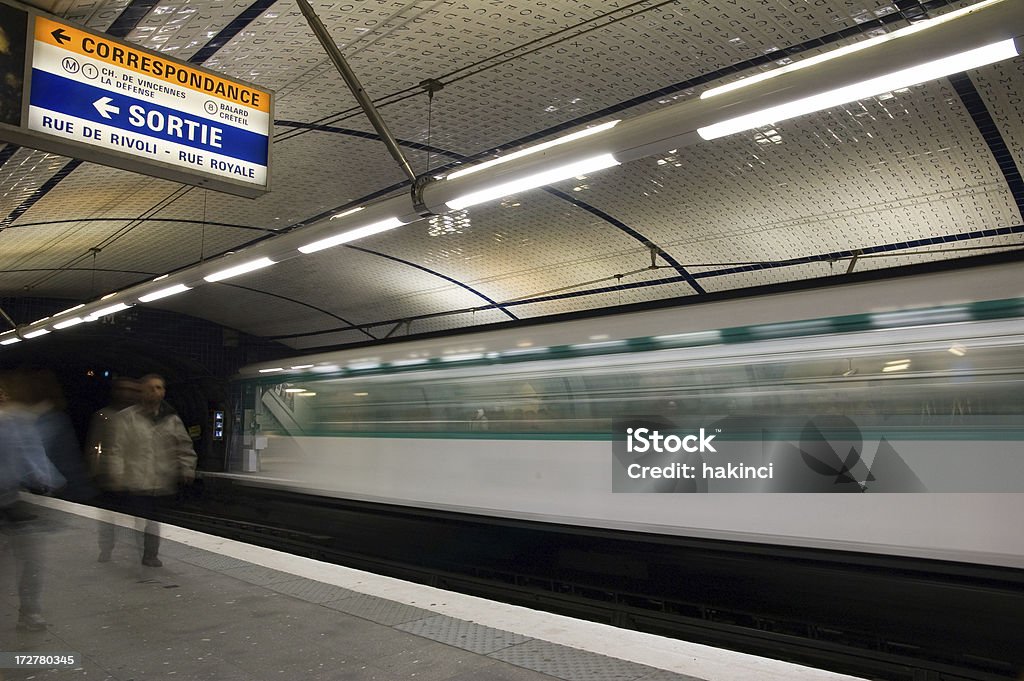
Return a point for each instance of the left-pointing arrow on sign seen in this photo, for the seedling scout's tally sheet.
(104, 106)
(60, 36)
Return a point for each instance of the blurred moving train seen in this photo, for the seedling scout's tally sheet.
(517, 422)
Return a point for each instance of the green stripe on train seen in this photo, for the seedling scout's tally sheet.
(987, 310)
(794, 435)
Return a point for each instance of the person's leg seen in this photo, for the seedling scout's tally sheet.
(26, 546)
(106, 529)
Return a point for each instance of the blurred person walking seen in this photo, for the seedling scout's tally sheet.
(23, 465)
(42, 394)
(150, 454)
(124, 393)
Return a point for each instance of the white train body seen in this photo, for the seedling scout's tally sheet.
(516, 422)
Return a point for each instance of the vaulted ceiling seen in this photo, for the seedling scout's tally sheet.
(922, 174)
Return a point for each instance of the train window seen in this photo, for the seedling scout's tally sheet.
(874, 386)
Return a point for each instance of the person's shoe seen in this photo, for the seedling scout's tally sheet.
(152, 561)
(31, 622)
(104, 557)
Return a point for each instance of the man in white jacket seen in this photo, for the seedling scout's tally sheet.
(151, 454)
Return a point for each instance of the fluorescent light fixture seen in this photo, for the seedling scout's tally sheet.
(110, 295)
(104, 311)
(360, 394)
(270, 371)
(70, 309)
(848, 49)
(363, 365)
(895, 367)
(587, 165)
(533, 150)
(1004, 49)
(161, 277)
(352, 235)
(303, 366)
(68, 322)
(295, 390)
(897, 361)
(40, 320)
(9, 341)
(957, 349)
(164, 292)
(307, 394)
(37, 333)
(347, 212)
(239, 269)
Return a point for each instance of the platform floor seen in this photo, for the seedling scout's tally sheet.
(226, 611)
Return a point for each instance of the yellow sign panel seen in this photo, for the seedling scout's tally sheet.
(173, 73)
(96, 98)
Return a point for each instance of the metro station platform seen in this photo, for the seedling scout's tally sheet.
(224, 610)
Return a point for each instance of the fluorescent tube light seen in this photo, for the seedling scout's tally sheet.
(68, 322)
(306, 394)
(352, 235)
(34, 334)
(957, 349)
(9, 341)
(164, 292)
(270, 371)
(70, 309)
(895, 367)
(533, 150)
(345, 213)
(914, 75)
(587, 165)
(239, 269)
(848, 49)
(303, 366)
(295, 390)
(103, 312)
(162, 276)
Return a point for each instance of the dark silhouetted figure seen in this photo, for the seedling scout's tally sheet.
(124, 392)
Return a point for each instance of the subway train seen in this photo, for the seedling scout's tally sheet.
(907, 391)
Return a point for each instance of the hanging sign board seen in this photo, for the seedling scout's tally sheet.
(99, 99)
